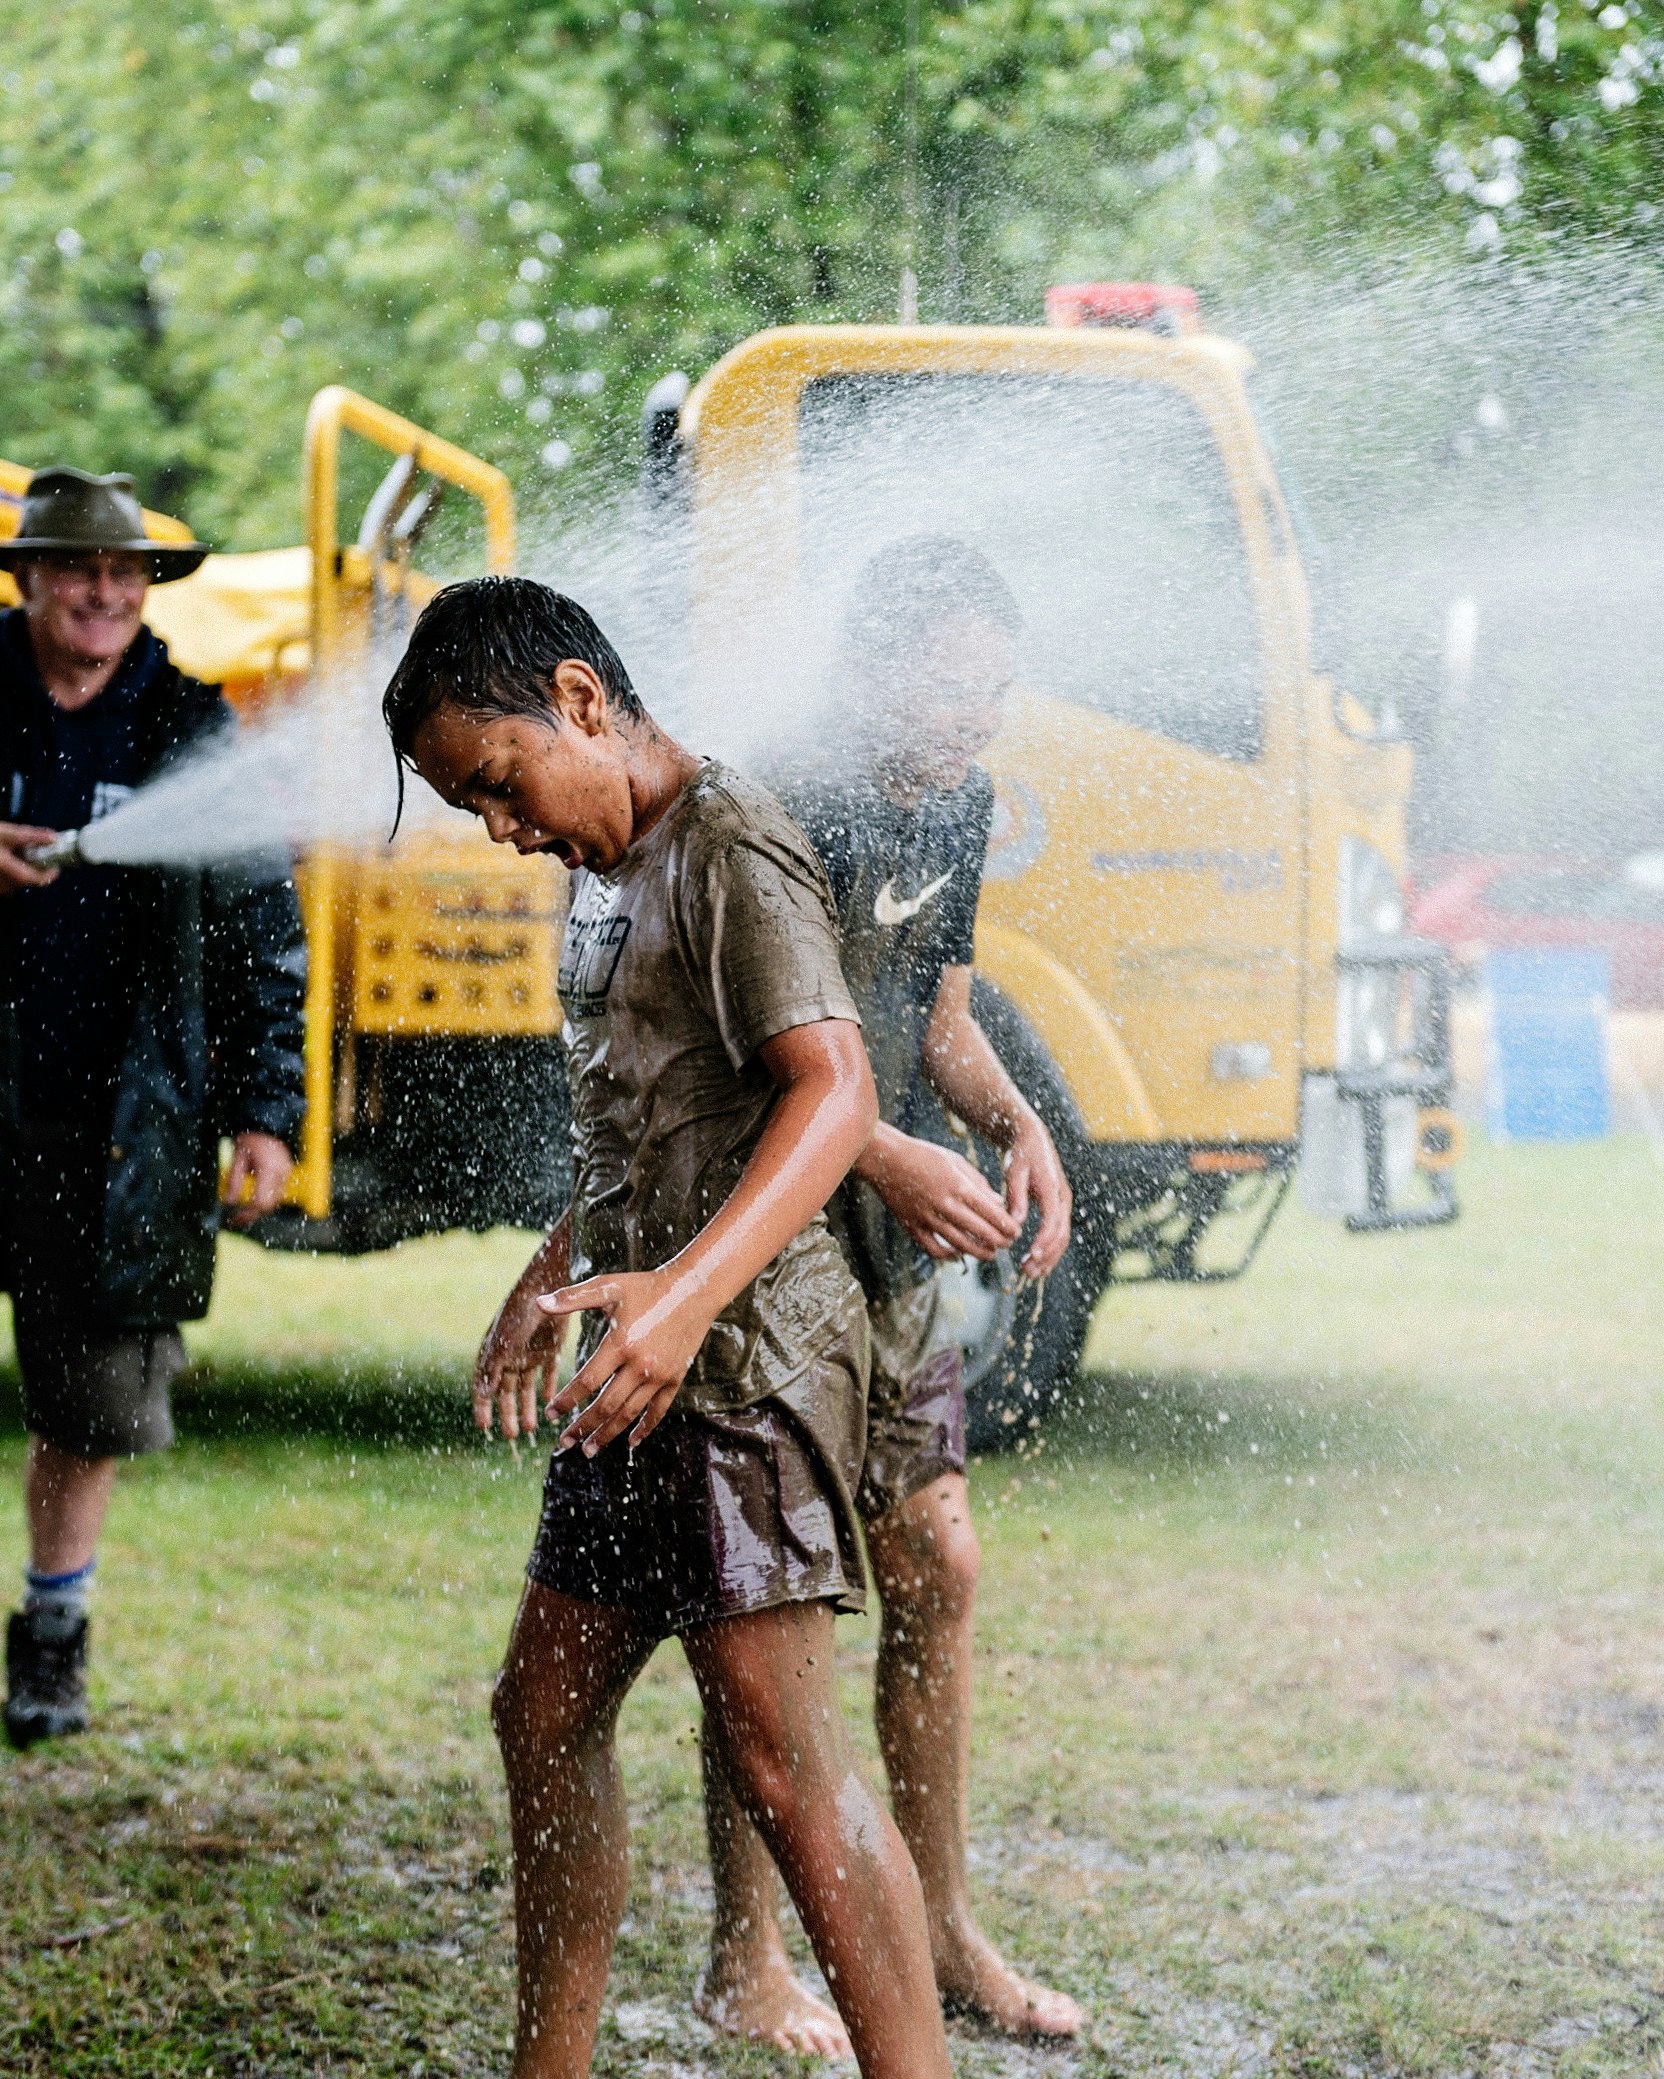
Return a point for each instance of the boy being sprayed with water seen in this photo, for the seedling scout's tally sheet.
(703, 1482)
(928, 651)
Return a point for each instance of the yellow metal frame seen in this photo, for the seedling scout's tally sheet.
(338, 574)
(337, 410)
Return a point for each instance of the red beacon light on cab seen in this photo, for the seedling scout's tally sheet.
(1133, 306)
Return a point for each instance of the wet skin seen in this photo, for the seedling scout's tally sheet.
(585, 786)
(925, 1555)
(765, 1681)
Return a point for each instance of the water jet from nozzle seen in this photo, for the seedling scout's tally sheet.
(62, 850)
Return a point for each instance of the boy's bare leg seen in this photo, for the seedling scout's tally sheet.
(925, 1559)
(766, 1683)
(749, 1987)
(568, 1667)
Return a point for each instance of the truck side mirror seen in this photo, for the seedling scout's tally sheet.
(662, 454)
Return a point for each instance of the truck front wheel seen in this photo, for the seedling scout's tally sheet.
(1022, 1341)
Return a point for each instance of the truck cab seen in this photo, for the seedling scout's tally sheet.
(1191, 946)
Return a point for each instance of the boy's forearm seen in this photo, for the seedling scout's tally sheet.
(551, 1262)
(822, 1122)
(876, 1162)
(960, 1065)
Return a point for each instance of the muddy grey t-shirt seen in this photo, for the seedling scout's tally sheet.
(714, 932)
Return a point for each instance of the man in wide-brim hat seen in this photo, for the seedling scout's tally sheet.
(144, 1014)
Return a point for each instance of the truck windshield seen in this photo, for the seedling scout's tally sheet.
(1105, 505)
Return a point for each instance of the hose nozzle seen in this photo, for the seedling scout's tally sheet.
(63, 850)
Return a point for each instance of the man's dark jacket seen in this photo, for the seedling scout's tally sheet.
(215, 1047)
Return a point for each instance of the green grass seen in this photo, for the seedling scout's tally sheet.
(1321, 1681)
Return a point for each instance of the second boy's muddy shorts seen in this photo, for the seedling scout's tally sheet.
(717, 1514)
(915, 1403)
(94, 1387)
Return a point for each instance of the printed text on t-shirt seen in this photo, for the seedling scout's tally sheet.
(589, 957)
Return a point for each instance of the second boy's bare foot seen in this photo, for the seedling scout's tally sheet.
(766, 2002)
(979, 1983)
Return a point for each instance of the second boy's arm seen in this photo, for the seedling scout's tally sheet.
(937, 1195)
(658, 1319)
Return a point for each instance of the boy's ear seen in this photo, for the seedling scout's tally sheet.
(579, 696)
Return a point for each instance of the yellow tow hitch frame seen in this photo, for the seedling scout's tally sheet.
(342, 579)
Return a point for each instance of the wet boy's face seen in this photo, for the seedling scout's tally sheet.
(560, 786)
(951, 706)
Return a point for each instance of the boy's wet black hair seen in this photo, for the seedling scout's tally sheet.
(492, 645)
(906, 588)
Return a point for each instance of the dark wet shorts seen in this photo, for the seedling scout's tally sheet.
(915, 1404)
(716, 1514)
(91, 1386)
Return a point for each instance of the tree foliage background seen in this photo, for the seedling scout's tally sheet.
(505, 217)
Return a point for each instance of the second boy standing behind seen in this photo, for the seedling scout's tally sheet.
(899, 813)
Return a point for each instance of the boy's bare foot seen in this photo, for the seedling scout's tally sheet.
(769, 2003)
(982, 1985)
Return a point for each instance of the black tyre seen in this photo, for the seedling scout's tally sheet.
(1022, 1342)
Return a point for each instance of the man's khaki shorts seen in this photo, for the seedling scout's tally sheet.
(915, 1403)
(94, 1387)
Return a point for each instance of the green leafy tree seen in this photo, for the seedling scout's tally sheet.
(505, 219)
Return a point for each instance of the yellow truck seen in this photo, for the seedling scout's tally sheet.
(1190, 948)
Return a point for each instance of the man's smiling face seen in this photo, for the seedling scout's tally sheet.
(86, 607)
(560, 786)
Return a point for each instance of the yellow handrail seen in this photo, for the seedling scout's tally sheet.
(337, 409)
(312, 1183)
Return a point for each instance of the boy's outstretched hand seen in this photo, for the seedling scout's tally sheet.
(523, 1343)
(948, 1207)
(655, 1326)
(961, 1066)
(1034, 1170)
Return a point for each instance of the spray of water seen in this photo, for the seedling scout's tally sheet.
(1474, 447)
(317, 770)
(1471, 448)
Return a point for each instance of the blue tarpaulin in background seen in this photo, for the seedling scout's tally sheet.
(1547, 1076)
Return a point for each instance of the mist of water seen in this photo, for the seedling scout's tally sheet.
(314, 770)
(1472, 452)
(1476, 452)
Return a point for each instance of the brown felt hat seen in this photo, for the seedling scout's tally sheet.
(67, 512)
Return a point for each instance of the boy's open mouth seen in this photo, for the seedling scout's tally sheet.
(562, 848)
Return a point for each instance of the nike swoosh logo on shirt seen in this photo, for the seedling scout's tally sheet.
(890, 908)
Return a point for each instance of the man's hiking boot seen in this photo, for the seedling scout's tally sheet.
(46, 1682)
